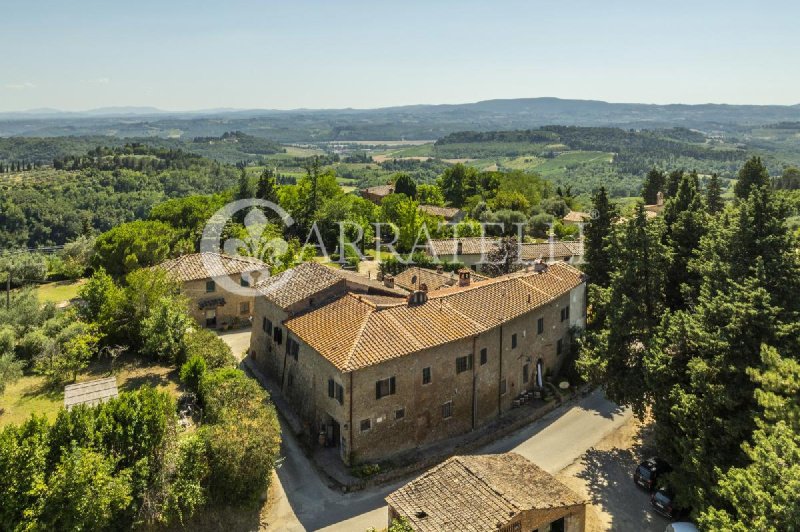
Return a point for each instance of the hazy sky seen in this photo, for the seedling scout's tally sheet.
(197, 54)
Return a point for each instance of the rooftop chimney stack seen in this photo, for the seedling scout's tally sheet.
(439, 268)
(464, 277)
(388, 281)
(539, 266)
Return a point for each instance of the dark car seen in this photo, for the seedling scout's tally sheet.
(648, 472)
(663, 502)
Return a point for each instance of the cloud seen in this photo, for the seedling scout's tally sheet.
(20, 86)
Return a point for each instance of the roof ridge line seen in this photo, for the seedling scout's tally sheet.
(409, 336)
(367, 315)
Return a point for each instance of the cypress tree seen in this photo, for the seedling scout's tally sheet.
(653, 184)
(752, 175)
(597, 239)
(714, 195)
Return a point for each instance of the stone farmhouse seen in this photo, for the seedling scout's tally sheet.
(210, 303)
(502, 492)
(375, 375)
(471, 251)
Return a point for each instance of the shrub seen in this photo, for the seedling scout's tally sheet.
(192, 373)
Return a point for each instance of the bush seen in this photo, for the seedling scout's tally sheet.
(366, 470)
(210, 347)
(192, 373)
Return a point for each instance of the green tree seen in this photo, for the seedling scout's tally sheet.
(714, 202)
(192, 373)
(762, 495)
(457, 183)
(84, 492)
(267, 186)
(405, 184)
(614, 354)
(205, 344)
(23, 460)
(685, 225)
(673, 182)
(752, 175)
(133, 245)
(164, 330)
(429, 195)
(655, 182)
(598, 240)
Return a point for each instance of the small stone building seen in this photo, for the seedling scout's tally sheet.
(376, 194)
(211, 280)
(496, 492)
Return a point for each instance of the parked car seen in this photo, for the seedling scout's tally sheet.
(682, 526)
(648, 472)
(663, 502)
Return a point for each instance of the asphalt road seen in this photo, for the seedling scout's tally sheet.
(303, 502)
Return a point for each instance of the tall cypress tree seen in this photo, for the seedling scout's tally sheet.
(685, 225)
(714, 195)
(267, 187)
(673, 182)
(614, 355)
(597, 239)
(653, 184)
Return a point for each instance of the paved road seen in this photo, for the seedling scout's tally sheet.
(304, 502)
(238, 340)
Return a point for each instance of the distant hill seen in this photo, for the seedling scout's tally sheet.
(409, 122)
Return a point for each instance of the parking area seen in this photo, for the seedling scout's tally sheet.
(604, 476)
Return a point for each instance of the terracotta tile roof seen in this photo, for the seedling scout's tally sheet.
(472, 245)
(301, 282)
(448, 213)
(444, 248)
(481, 492)
(359, 282)
(576, 216)
(546, 250)
(198, 266)
(353, 332)
(380, 190)
(414, 277)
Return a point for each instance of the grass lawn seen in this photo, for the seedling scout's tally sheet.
(59, 291)
(31, 394)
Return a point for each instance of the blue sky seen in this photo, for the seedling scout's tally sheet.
(182, 55)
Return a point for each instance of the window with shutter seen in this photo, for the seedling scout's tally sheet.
(426, 375)
(384, 387)
(331, 388)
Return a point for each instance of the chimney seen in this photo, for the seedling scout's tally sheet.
(439, 268)
(539, 266)
(464, 277)
(417, 297)
(388, 281)
(460, 248)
